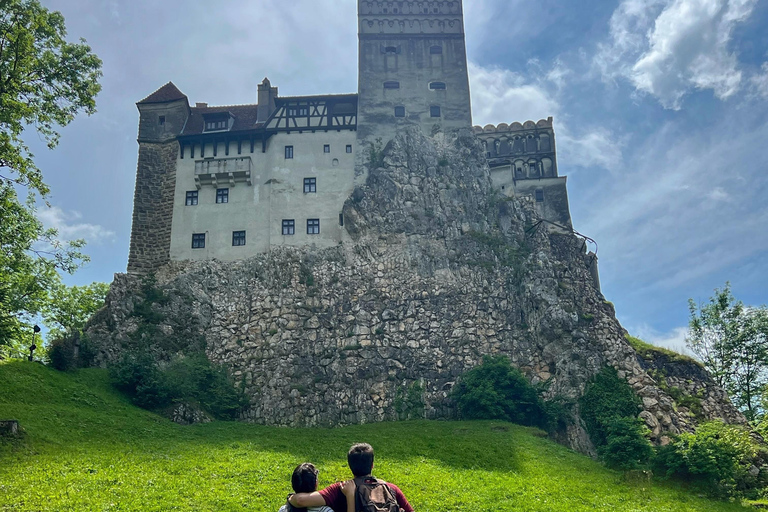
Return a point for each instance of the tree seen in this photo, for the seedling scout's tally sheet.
(69, 308)
(44, 83)
(732, 342)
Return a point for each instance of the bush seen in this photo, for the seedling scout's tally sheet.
(187, 378)
(497, 391)
(61, 354)
(716, 458)
(626, 447)
(609, 409)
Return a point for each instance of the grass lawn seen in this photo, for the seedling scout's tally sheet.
(87, 448)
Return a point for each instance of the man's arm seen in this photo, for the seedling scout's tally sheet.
(348, 488)
(306, 500)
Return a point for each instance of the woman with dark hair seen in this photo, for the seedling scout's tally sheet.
(304, 479)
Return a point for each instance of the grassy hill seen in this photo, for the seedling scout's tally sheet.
(87, 448)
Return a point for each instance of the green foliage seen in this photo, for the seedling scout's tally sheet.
(46, 82)
(607, 398)
(70, 307)
(648, 351)
(626, 447)
(496, 390)
(88, 448)
(409, 401)
(715, 459)
(61, 353)
(609, 409)
(186, 378)
(732, 341)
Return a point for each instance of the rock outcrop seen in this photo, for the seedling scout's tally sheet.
(439, 271)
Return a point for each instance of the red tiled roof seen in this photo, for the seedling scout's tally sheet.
(165, 94)
(245, 118)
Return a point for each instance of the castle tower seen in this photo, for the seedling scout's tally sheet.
(163, 115)
(412, 68)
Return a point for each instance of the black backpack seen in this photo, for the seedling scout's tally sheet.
(373, 495)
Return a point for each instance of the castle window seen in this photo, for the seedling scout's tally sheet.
(198, 241)
(349, 148)
(161, 120)
(310, 185)
(539, 196)
(434, 111)
(222, 196)
(384, 10)
(288, 152)
(341, 219)
(313, 226)
(390, 50)
(391, 85)
(394, 10)
(215, 124)
(437, 86)
(436, 50)
(238, 238)
(436, 10)
(399, 111)
(289, 227)
(192, 198)
(327, 148)
(426, 10)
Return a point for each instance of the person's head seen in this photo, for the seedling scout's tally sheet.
(360, 459)
(304, 478)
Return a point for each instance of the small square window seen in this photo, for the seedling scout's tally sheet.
(391, 85)
(313, 226)
(327, 148)
(220, 124)
(437, 86)
(198, 241)
(192, 198)
(222, 196)
(310, 185)
(238, 238)
(289, 227)
(399, 111)
(434, 111)
(539, 196)
(161, 120)
(349, 148)
(436, 50)
(288, 152)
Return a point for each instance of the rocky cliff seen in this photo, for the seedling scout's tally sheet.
(439, 270)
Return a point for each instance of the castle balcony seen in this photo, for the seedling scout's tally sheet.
(223, 171)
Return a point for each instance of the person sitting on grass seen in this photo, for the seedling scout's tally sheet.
(304, 480)
(341, 495)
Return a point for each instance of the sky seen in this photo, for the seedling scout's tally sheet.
(660, 111)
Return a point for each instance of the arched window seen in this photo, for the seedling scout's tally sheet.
(437, 86)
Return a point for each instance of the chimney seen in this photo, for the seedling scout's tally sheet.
(267, 95)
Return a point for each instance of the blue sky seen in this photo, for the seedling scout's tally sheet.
(660, 107)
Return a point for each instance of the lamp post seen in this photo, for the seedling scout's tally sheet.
(35, 330)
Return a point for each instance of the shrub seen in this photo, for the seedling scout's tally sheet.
(495, 390)
(187, 378)
(626, 447)
(606, 399)
(716, 458)
(61, 354)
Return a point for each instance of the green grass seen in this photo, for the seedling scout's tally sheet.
(87, 448)
(646, 350)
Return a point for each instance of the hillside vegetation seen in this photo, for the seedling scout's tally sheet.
(87, 448)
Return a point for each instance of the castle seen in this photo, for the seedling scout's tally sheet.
(230, 182)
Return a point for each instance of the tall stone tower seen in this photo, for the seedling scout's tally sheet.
(412, 69)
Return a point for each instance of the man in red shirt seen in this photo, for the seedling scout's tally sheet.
(360, 460)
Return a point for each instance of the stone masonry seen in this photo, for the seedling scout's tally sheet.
(153, 207)
(441, 272)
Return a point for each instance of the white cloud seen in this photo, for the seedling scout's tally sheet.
(667, 48)
(759, 82)
(673, 340)
(503, 96)
(70, 227)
